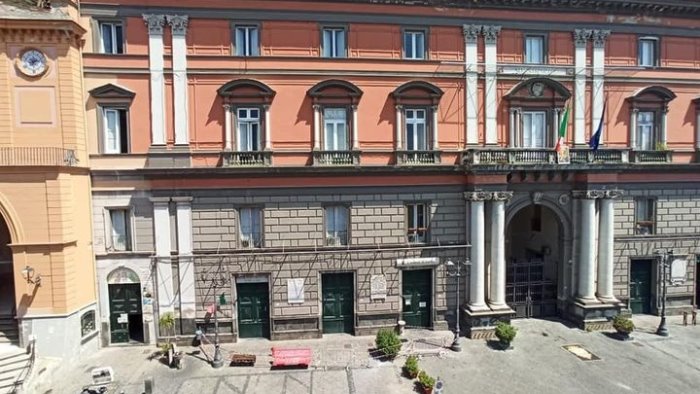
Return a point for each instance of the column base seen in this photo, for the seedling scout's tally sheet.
(609, 300)
(482, 324)
(500, 307)
(593, 317)
(587, 301)
(477, 308)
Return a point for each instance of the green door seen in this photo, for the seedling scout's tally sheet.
(640, 286)
(417, 296)
(338, 303)
(124, 300)
(253, 310)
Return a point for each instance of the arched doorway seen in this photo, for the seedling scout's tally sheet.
(8, 325)
(534, 252)
(125, 310)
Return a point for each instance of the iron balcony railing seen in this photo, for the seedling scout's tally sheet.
(37, 156)
(336, 158)
(418, 157)
(543, 156)
(246, 159)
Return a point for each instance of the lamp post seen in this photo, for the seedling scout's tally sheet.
(456, 343)
(664, 255)
(216, 282)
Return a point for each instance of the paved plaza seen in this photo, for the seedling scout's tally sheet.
(342, 364)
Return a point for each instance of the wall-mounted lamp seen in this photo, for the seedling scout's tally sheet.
(31, 276)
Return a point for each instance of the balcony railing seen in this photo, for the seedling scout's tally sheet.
(246, 159)
(418, 157)
(37, 156)
(336, 158)
(534, 156)
(601, 156)
(651, 156)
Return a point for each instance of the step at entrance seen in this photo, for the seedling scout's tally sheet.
(13, 366)
(9, 334)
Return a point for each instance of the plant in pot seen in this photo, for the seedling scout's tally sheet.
(410, 368)
(166, 323)
(426, 382)
(623, 326)
(505, 334)
(388, 343)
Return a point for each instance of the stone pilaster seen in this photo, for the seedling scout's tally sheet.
(471, 92)
(477, 276)
(599, 38)
(155, 25)
(606, 243)
(164, 271)
(497, 290)
(587, 249)
(581, 37)
(491, 33)
(178, 24)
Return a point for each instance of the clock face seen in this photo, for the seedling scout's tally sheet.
(33, 63)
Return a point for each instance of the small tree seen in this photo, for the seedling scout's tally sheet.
(411, 366)
(166, 323)
(623, 325)
(426, 381)
(388, 342)
(505, 333)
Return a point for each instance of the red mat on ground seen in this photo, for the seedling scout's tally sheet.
(291, 357)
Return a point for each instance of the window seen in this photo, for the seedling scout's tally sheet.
(534, 129)
(87, 323)
(414, 44)
(120, 230)
(246, 41)
(648, 52)
(248, 128)
(416, 133)
(646, 130)
(335, 128)
(417, 223)
(644, 216)
(111, 37)
(251, 229)
(115, 130)
(333, 42)
(336, 225)
(534, 49)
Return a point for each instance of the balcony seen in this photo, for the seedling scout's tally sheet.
(37, 156)
(651, 156)
(336, 158)
(547, 156)
(246, 159)
(418, 157)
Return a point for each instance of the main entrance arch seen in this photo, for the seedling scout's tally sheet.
(8, 325)
(125, 310)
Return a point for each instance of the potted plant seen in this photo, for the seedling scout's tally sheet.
(505, 334)
(410, 368)
(623, 326)
(388, 342)
(166, 323)
(426, 382)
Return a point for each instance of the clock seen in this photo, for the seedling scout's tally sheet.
(32, 63)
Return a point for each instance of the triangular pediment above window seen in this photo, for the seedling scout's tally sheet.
(111, 91)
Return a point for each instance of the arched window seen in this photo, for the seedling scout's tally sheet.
(648, 110)
(87, 323)
(417, 122)
(536, 107)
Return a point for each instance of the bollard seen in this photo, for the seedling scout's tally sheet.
(148, 386)
(439, 386)
(695, 315)
(685, 318)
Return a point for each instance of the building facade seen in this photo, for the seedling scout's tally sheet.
(47, 277)
(317, 167)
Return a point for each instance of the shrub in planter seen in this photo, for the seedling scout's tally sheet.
(388, 342)
(623, 326)
(505, 334)
(411, 367)
(426, 381)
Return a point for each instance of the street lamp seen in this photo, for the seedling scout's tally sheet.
(216, 283)
(457, 273)
(665, 255)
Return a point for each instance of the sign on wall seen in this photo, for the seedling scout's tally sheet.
(678, 270)
(417, 261)
(295, 290)
(377, 289)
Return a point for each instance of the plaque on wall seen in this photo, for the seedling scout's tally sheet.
(678, 270)
(295, 290)
(377, 290)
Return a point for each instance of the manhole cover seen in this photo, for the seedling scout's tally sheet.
(580, 352)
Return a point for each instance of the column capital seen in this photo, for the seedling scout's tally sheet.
(471, 33)
(353, 107)
(183, 199)
(613, 194)
(160, 200)
(599, 37)
(581, 36)
(478, 196)
(588, 194)
(501, 196)
(266, 107)
(490, 33)
(178, 24)
(154, 23)
(399, 107)
(227, 107)
(316, 107)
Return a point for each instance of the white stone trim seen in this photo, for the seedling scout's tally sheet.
(581, 37)
(186, 262)
(490, 87)
(178, 25)
(155, 25)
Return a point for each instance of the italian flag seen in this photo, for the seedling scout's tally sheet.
(561, 141)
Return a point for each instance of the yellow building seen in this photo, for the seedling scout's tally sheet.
(47, 278)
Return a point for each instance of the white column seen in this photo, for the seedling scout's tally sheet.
(586, 263)
(599, 38)
(606, 241)
(164, 271)
(155, 64)
(471, 93)
(477, 274)
(581, 37)
(186, 262)
(436, 143)
(490, 72)
(697, 124)
(228, 141)
(268, 125)
(518, 127)
(355, 137)
(317, 127)
(555, 126)
(178, 24)
(497, 294)
(664, 125)
(633, 128)
(399, 123)
(511, 128)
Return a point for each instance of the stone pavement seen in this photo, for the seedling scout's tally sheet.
(342, 364)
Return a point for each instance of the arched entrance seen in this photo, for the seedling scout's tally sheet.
(534, 252)
(8, 325)
(125, 311)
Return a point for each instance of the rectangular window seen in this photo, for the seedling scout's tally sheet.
(417, 223)
(247, 41)
(535, 49)
(248, 128)
(414, 44)
(250, 227)
(115, 130)
(336, 218)
(645, 216)
(111, 37)
(648, 52)
(335, 126)
(333, 42)
(534, 129)
(120, 230)
(416, 129)
(646, 130)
